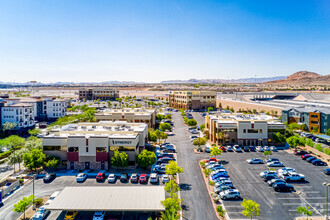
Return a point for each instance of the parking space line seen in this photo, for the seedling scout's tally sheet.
(312, 192)
(299, 203)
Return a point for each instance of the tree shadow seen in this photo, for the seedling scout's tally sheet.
(185, 187)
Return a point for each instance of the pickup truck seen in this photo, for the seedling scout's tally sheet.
(291, 176)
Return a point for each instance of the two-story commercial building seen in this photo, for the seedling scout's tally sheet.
(135, 115)
(312, 117)
(101, 93)
(192, 100)
(91, 145)
(241, 129)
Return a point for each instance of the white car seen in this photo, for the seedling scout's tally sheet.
(213, 165)
(165, 178)
(255, 161)
(99, 215)
(112, 178)
(210, 163)
(225, 183)
(219, 182)
(41, 213)
(230, 194)
(285, 170)
(290, 176)
(218, 171)
(153, 178)
(273, 148)
(267, 172)
(81, 177)
(275, 164)
(266, 148)
(260, 149)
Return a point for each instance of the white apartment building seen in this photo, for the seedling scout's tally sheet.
(91, 145)
(21, 114)
(55, 108)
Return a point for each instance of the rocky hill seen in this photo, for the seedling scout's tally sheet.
(303, 78)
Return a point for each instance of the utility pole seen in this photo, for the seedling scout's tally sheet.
(33, 192)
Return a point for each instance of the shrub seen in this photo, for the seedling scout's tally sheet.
(202, 163)
(319, 147)
(220, 210)
(21, 181)
(38, 201)
(5, 154)
(327, 151)
(211, 183)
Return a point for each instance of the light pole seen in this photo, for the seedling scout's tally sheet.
(326, 199)
(33, 191)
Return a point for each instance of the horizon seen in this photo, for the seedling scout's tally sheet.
(142, 41)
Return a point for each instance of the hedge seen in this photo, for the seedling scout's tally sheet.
(5, 154)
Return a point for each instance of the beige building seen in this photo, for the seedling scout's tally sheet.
(101, 93)
(135, 115)
(192, 100)
(90, 146)
(243, 129)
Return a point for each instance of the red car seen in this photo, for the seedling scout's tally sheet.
(305, 156)
(100, 177)
(210, 159)
(143, 178)
(223, 149)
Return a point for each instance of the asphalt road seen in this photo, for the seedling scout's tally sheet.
(196, 201)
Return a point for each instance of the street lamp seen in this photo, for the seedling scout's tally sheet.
(33, 191)
(326, 199)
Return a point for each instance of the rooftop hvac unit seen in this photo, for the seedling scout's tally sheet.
(83, 127)
(93, 126)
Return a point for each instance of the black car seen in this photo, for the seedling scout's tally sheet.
(269, 177)
(319, 163)
(327, 171)
(124, 177)
(252, 148)
(169, 150)
(300, 152)
(283, 187)
(165, 155)
(49, 177)
(310, 159)
(246, 148)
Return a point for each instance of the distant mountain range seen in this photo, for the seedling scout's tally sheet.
(303, 78)
(215, 81)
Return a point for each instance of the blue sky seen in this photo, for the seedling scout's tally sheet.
(154, 40)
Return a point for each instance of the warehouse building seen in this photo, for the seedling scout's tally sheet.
(101, 93)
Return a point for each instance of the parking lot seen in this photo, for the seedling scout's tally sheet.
(246, 179)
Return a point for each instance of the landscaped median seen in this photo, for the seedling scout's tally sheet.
(218, 207)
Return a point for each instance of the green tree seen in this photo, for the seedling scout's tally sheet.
(165, 126)
(14, 141)
(34, 159)
(278, 137)
(23, 204)
(163, 135)
(207, 172)
(172, 206)
(267, 153)
(220, 105)
(34, 132)
(305, 211)
(173, 168)
(16, 157)
(310, 143)
(202, 127)
(215, 151)
(33, 143)
(210, 109)
(7, 127)
(191, 122)
(293, 141)
(119, 159)
(171, 187)
(232, 110)
(319, 147)
(315, 130)
(198, 142)
(159, 117)
(146, 158)
(52, 163)
(250, 208)
(168, 116)
(328, 132)
(220, 210)
(109, 104)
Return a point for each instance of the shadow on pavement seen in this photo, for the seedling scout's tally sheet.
(185, 187)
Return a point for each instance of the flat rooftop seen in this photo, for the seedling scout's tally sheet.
(116, 198)
(136, 111)
(233, 117)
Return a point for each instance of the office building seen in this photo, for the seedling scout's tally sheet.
(136, 115)
(101, 93)
(192, 100)
(90, 146)
(242, 129)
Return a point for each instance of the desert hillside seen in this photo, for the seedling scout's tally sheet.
(304, 78)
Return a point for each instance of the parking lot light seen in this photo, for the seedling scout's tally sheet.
(326, 199)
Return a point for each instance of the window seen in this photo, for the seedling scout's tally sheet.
(101, 149)
(87, 149)
(314, 116)
(244, 130)
(314, 122)
(260, 130)
(73, 149)
(52, 148)
(252, 131)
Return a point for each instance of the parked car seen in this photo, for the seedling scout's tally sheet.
(273, 148)
(246, 148)
(230, 148)
(327, 171)
(286, 169)
(211, 163)
(222, 188)
(124, 177)
(159, 168)
(319, 163)
(165, 178)
(305, 156)
(290, 176)
(269, 177)
(252, 148)
(283, 187)
(100, 177)
(218, 171)
(70, 215)
(238, 149)
(215, 166)
(218, 175)
(260, 149)
(266, 148)
(41, 214)
(165, 155)
(275, 181)
(255, 161)
(310, 159)
(220, 181)
(210, 159)
(134, 178)
(99, 215)
(143, 178)
(272, 160)
(267, 172)
(164, 160)
(169, 150)
(153, 178)
(230, 194)
(275, 164)
(223, 149)
(300, 152)
(81, 177)
(207, 149)
(226, 183)
(49, 177)
(112, 178)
